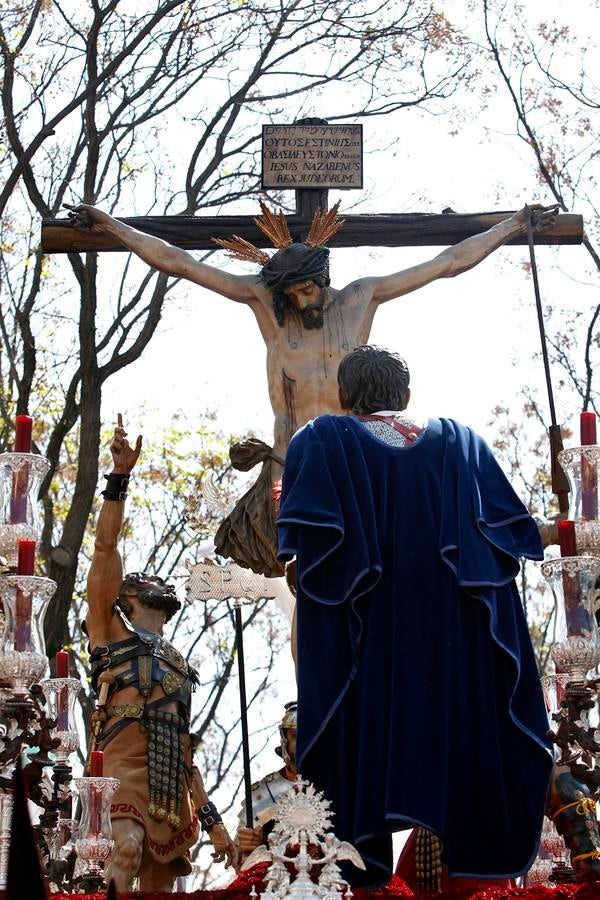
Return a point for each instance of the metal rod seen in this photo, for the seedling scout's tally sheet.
(559, 482)
(239, 646)
(540, 316)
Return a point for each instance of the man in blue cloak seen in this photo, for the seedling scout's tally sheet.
(419, 702)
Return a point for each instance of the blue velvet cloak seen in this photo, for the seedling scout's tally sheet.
(419, 698)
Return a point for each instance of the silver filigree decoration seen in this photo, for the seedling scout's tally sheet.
(302, 840)
(45, 588)
(303, 808)
(571, 565)
(36, 464)
(576, 656)
(573, 455)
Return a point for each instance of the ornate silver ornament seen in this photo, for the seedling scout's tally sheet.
(302, 839)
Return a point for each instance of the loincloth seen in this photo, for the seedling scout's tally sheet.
(248, 535)
(126, 758)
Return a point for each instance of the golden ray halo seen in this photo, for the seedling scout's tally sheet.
(324, 226)
(240, 248)
(275, 227)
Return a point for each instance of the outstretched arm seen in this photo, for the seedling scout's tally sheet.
(164, 256)
(460, 257)
(106, 571)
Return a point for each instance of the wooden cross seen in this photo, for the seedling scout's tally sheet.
(377, 230)
(292, 154)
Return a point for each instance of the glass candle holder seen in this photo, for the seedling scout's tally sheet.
(540, 872)
(573, 580)
(61, 696)
(555, 690)
(553, 843)
(20, 478)
(581, 466)
(94, 841)
(23, 658)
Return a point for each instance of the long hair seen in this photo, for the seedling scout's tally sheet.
(373, 378)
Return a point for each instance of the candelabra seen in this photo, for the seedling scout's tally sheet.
(38, 717)
(571, 693)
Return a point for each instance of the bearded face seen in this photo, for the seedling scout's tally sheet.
(308, 299)
(312, 316)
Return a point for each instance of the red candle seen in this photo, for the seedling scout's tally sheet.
(96, 771)
(18, 497)
(96, 763)
(61, 670)
(568, 547)
(20, 483)
(587, 425)
(589, 479)
(23, 606)
(23, 429)
(26, 557)
(566, 538)
(61, 661)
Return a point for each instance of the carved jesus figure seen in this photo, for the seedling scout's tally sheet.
(307, 325)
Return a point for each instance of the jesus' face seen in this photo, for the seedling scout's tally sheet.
(308, 298)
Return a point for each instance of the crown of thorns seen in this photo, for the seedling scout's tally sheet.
(275, 226)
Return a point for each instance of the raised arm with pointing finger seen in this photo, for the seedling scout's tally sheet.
(106, 571)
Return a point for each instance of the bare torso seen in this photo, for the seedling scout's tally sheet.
(302, 363)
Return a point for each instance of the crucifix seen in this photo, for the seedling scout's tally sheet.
(306, 324)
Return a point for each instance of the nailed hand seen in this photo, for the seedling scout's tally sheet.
(86, 217)
(542, 217)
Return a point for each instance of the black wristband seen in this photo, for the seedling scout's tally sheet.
(209, 816)
(116, 486)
